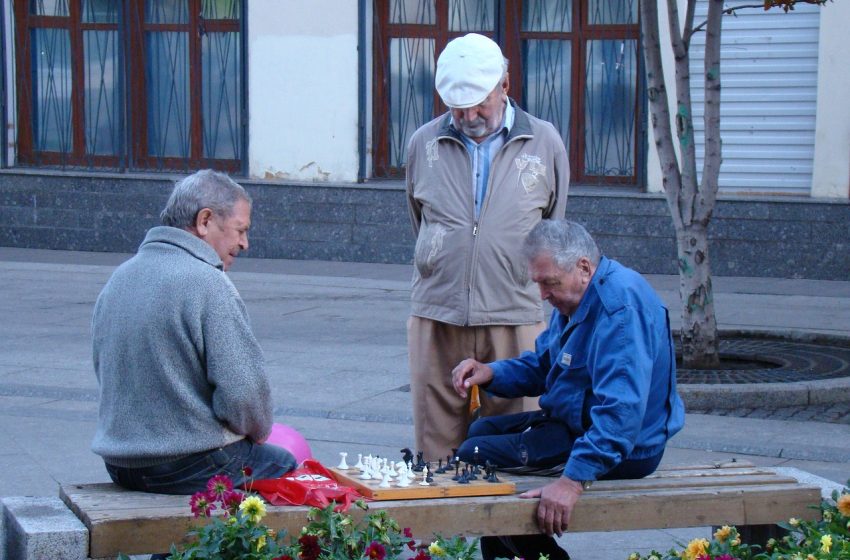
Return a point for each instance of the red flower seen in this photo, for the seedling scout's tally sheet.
(247, 471)
(219, 485)
(310, 548)
(411, 544)
(375, 551)
(231, 500)
(422, 555)
(201, 505)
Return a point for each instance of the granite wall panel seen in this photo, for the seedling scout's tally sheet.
(759, 236)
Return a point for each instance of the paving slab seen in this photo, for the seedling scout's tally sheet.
(334, 338)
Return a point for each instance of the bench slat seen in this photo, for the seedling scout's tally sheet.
(136, 523)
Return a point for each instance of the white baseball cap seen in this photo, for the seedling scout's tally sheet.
(468, 69)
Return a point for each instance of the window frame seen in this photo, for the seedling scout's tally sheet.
(508, 29)
(132, 151)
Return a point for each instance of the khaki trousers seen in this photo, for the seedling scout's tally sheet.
(441, 417)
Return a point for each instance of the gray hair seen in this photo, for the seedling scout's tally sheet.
(204, 189)
(565, 241)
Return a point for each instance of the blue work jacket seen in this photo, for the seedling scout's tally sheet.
(608, 373)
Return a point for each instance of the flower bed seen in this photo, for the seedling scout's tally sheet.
(827, 539)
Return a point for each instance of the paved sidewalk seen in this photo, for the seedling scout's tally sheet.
(334, 339)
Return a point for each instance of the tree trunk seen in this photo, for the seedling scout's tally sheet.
(699, 325)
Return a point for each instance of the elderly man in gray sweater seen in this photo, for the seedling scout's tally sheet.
(183, 392)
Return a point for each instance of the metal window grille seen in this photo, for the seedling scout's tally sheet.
(575, 63)
(131, 84)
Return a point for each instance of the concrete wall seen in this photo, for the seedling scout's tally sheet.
(832, 128)
(769, 237)
(302, 90)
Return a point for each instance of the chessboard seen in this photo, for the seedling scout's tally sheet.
(440, 486)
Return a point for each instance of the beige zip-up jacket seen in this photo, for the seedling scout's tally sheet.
(468, 271)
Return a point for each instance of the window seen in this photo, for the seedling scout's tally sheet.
(133, 84)
(574, 63)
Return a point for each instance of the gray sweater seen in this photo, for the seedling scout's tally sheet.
(178, 367)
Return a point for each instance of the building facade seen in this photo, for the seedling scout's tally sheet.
(310, 105)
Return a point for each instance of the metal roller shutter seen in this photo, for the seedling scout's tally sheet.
(768, 71)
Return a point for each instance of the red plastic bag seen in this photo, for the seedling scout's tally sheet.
(310, 484)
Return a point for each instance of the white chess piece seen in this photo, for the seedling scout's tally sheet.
(366, 473)
(385, 483)
(359, 464)
(403, 480)
(425, 477)
(343, 466)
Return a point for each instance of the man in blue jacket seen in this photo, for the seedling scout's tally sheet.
(605, 371)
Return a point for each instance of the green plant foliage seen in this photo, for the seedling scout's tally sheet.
(827, 539)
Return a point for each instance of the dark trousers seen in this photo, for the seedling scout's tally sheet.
(190, 474)
(532, 442)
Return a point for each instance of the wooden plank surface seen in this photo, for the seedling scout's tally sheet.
(442, 487)
(135, 523)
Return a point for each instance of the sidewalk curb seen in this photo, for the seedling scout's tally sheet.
(725, 396)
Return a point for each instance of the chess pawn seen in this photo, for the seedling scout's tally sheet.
(425, 477)
(366, 473)
(343, 466)
(392, 472)
(403, 480)
(359, 464)
(385, 482)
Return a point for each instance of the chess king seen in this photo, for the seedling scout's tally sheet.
(605, 372)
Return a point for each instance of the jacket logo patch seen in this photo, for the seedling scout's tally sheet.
(436, 245)
(530, 169)
(431, 151)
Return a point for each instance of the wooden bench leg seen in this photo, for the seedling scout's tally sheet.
(760, 534)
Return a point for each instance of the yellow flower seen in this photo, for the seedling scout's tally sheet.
(261, 542)
(695, 548)
(844, 505)
(723, 533)
(435, 549)
(634, 556)
(811, 557)
(793, 522)
(254, 508)
(735, 542)
(826, 543)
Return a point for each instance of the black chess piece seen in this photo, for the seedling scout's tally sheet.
(406, 455)
(491, 473)
(420, 462)
(472, 475)
(457, 471)
(440, 468)
(429, 477)
(464, 477)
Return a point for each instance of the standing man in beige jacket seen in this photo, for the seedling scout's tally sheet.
(479, 178)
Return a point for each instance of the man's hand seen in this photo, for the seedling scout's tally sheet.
(557, 501)
(468, 373)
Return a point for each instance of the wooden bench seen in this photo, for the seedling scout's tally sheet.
(733, 493)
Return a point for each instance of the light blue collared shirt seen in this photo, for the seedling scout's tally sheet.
(482, 155)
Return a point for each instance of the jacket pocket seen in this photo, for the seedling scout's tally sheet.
(429, 249)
